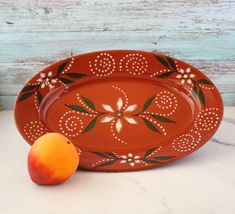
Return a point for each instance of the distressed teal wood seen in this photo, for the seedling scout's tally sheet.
(35, 33)
(51, 45)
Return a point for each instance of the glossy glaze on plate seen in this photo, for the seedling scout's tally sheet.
(124, 110)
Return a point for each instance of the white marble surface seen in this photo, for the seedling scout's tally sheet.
(203, 182)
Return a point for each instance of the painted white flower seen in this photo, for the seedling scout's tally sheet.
(45, 80)
(119, 114)
(185, 76)
(131, 159)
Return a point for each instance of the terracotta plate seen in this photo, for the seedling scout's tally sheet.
(124, 110)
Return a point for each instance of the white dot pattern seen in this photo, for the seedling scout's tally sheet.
(187, 142)
(207, 119)
(133, 63)
(101, 161)
(34, 129)
(207, 87)
(159, 126)
(78, 150)
(152, 154)
(70, 124)
(82, 103)
(155, 151)
(124, 95)
(157, 73)
(103, 65)
(113, 131)
(68, 67)
(190, 88)
(36, 103)
(166, 102)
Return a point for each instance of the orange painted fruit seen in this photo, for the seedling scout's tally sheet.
(52, 159)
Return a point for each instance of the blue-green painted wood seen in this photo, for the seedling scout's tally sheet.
(35, 33)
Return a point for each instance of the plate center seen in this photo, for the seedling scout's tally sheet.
(119, 113)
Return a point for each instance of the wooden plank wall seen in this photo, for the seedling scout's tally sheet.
(35, 33)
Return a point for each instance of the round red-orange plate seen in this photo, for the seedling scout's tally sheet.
(124, 110)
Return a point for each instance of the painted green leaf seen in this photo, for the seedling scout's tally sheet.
(150, 125)
(65, 81)
(101, 154)
(91, 125)
(204, 81)
(164, 157)
(106, 163)
(162, 119)
(162, 61)
(171, 62)
(25, 96)
(111, 154)
(77, 108)
(61, 67)
(148, 103)
(28, 88)
(39, 97)
(89, 103)
(151, 161)
(149, 152)
(194, 91)
(165, 75)
(201, 97)
(75, 75)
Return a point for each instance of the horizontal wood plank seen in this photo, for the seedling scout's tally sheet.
(207, 16)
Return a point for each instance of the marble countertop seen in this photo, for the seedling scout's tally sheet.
(203, 182)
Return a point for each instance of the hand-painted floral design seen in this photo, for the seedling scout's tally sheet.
(131, 159)
(94, 112)
(185, 76)
(119, 114)
(48, 80)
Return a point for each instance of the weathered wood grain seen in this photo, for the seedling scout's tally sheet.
(119, 15)
(35, 33)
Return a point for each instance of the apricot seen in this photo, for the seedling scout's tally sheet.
(52, 159)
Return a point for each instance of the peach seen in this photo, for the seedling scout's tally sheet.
(52, 159)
